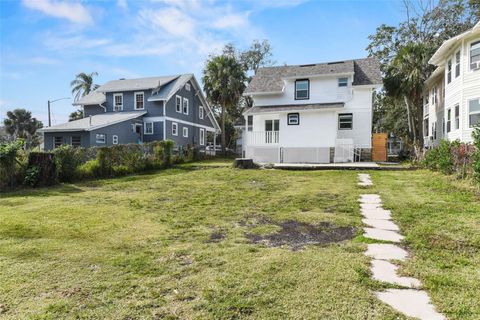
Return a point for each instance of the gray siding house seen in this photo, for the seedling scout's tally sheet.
(139, 110)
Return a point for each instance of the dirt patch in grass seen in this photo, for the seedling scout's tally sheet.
(297, 234)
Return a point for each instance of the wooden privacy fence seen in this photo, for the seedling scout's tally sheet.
(379, 147)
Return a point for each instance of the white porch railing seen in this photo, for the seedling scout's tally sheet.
(261, 138)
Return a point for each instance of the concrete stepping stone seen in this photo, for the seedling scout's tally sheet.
(386, 251)
(384, 235)
(413, 303)
(379, 213)
(387, 272)
(364, 180)
(370, 198)
(370, 206)
(381, 224)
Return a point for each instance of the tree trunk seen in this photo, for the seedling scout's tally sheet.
(223, 136)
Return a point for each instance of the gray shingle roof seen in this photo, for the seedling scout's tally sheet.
(168, 89)
(95, 122)
(92, 98)
(136, 84)
(270, 79)
(293, 107)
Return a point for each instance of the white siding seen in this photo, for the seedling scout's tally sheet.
(322, 90)
(462, 89)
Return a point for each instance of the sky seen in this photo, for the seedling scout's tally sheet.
(45, 43)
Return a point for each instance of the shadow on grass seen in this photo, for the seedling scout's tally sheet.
(56, 190)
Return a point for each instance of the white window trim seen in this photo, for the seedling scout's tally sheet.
(202, 137)
(121, 106)
(185, 132)
(145, 128)
(200, 112)
(174, 132)
(104, 138)
(469, 46)
(183, 106)
(114, 139)
(135, 100)
(187, 86)
(177, 97)
(71, 140)
(459, 63)
(455, 116)
(470, 113)
(61, 143)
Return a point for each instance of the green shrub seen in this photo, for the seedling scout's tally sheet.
(32, 176)
(476, 154)
(440, 158)
(88, 170)
(67, 160)
(167, 146)
(12, 164)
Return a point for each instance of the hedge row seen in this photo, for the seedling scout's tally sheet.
(456, 157)
(68, 164)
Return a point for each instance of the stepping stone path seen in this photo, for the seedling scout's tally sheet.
(409, 301)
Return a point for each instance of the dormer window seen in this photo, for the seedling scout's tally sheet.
(343, 82)
(475, 56)
(117, 102)
(302, 89)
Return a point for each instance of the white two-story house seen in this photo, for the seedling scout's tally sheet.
(452, 92)
(313, 113)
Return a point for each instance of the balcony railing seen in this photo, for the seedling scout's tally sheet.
(258, 138)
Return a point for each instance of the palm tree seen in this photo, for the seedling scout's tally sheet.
(20, 124)
(224, 82)
(404, 79)
(83, 84)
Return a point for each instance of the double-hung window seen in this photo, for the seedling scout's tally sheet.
(345, 121)
(449, 120)
(457, 64)
(302, 89)
(200, 112)
(249, 123)
(202, 137)
(139, 100)
(148, 128)
(178, 104)
(114, 139)
(185, 132)
(185, 105)
(474, 112)
(117, 102)
(475, 56)
(434, 95)
(76, 141)
(100, 138)
(457, 117)
(57, 142)
(425, 127)
(343, 82)
(449, 71)
(174, 129)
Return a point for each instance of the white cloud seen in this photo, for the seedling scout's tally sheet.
(122, 4)
(171, 20)
(74, 12)
(232, 21)
(41, 61)
(68, 41)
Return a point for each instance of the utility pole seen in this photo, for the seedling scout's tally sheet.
(49, 102)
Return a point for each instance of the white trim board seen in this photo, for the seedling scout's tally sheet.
(158, 119)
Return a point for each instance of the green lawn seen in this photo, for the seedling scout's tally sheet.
(175, 245)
